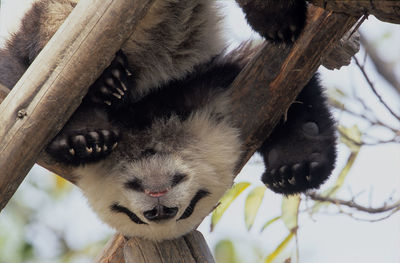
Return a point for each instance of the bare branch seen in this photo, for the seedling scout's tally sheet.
(352, 204)
(381, 66)
(372, 86)
(385, 10)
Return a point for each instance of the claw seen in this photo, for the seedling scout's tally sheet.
(282, 183)
(124, 87)
(72, 151)
(308, 177)
(105, 148)
(120, 91)
(118, 96)
(89, 149)
(114, 146)
(292, 181)
(128, 72)
(98, 148)
(107, 102)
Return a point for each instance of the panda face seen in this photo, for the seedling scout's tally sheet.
(166, 192)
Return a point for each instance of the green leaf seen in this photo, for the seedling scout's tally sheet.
(253, 202)
(351, 137)
(269, 222)
(271, 257)
(290, 211)
(225, 252)
(226, 201)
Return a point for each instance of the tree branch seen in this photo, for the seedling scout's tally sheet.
(385, 10)
(54, 85)
(384, 68)
(350, 203)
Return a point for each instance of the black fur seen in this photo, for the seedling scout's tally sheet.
(276, 20)
(300, 153)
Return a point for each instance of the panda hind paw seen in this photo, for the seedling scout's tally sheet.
(112, 87)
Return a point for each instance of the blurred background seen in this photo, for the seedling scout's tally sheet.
(48, 219)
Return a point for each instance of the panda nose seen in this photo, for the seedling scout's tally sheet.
(160, 212)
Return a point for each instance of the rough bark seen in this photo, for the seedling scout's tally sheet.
(54, 85)
(385, 10)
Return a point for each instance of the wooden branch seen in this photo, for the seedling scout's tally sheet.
(343, 52)
(258, 106)
(385, 10)
(54, 85)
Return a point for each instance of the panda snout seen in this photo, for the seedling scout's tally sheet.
(157, 193)
(160, 212)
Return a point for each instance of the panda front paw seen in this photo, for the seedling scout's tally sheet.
(84, 147)
(112, 87)
(277, 21)
(299, 163)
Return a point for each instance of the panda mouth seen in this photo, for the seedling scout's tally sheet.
(190, 209)
(132, 216)
(117, 208)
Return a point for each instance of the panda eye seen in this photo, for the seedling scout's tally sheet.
(178, 178)
(135, 185)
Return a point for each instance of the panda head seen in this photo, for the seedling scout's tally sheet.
(166, 191)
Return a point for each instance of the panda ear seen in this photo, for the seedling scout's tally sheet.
(277, 21)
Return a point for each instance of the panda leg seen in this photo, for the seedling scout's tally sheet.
(277, 21)
(111, 89)
(300, 153)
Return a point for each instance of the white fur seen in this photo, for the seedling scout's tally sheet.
(207, 153)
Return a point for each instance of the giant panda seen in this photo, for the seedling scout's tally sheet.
(153, 144)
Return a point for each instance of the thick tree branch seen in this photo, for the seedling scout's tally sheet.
(385, 10)
(54, 85)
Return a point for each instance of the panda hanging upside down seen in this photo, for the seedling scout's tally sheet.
(153, 142)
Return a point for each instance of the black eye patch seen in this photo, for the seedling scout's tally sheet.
(135, 185)
(122, 209)
(178, 178)
(148, 152)
(189, 210)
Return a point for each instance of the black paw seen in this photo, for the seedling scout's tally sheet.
(84, 147)
(299, 161)
(277, 22)
(112, 87)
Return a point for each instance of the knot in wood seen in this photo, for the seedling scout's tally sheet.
(22, 113)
